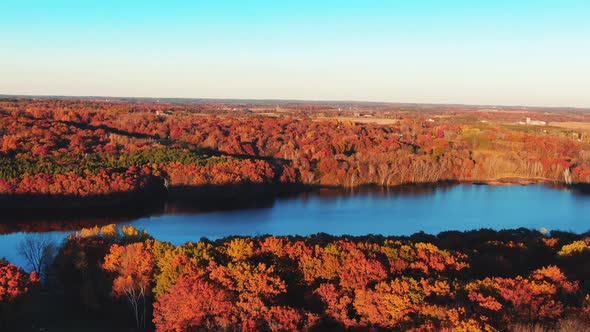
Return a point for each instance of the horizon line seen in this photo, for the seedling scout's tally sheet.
(322, 101)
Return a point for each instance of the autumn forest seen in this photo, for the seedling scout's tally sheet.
(88, 148)
(88, 154)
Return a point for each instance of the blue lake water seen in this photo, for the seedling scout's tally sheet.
(461, 207)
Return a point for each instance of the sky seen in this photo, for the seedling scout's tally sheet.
(497, 52)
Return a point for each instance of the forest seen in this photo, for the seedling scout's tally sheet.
(85, 150)
(114, 277)
(93, 154)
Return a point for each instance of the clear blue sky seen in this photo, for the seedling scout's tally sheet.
(526, 52)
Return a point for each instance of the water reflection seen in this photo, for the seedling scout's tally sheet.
(395, 211)
(36, 221)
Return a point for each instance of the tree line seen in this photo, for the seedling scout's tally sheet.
(53, 137)
(479, 280)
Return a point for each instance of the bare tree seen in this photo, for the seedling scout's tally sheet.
(38, 250)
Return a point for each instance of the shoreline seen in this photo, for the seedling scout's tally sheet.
(234, 192)
(154, 199)
(514, 181)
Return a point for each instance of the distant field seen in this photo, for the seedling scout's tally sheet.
(380, 121)
(572, 125)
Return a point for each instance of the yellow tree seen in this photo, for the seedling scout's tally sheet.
(133, 265)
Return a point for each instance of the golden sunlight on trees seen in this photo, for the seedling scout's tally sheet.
(132, 265)
(14, 281)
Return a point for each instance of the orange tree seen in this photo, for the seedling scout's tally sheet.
(133, 266)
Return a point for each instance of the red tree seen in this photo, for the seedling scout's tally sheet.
(194, 304)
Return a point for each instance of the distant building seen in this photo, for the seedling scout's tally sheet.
(535, 122)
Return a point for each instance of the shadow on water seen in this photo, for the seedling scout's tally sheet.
(582, 190)
(197, 200)
(192, 214)
(40, 213)
(407, 190)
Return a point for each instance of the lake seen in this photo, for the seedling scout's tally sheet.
(401, 211)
